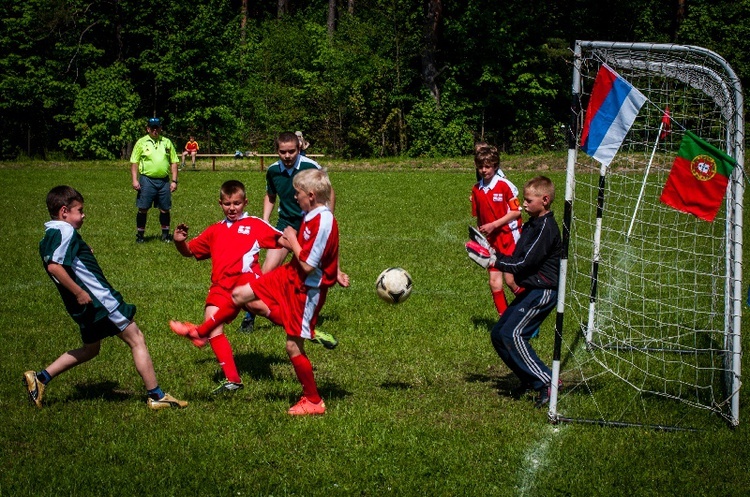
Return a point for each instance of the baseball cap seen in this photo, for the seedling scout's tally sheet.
(154, 122)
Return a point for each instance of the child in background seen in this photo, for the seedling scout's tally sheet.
(293, 294)
(99, 309)
(494, 202)
(233, 245)
(535, 265)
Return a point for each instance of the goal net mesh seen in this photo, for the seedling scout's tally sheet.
(651, 291)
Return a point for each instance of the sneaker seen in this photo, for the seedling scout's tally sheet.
(139, 239)
(165, 402)
(34, 388)
(166, 238)
(189, 331)
(544, 395)
(306, 408)
(228, 386)
(325, 339)
(248, 324)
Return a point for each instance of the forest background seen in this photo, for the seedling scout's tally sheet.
(361, 78)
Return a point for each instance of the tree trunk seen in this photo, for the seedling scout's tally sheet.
(243, 22)
(331, 18)
(350, 7)
(283, 8)
(429, 52)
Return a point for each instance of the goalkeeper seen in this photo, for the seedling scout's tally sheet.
(534, 265)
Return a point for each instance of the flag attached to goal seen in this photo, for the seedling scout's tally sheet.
(699, 177)
(612, 109)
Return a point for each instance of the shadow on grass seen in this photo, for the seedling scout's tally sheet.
(105, 390)
(504, 385)
(257, 366)
(483, 323)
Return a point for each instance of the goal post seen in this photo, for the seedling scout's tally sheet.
(650, 299)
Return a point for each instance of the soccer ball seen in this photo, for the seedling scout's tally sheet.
(393, 285)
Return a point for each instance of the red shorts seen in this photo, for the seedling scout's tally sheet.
(220, 296)
(295, 307)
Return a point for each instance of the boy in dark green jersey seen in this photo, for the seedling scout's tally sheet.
(99, 309)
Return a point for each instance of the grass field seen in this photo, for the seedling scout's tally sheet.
(418, 402)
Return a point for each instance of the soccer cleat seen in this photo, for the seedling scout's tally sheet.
(325, 339)
(166, 402)
(166, 238)
(139, 239)
(34, 388)
(248, 324)
(306, 408)
(228, 386)
(189, 331)
(544, 395)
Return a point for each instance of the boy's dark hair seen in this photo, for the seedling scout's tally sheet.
(62, 196)
(486, 154)
(230, 187)
(286, 137)
(542, 185)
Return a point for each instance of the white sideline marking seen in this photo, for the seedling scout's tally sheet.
(535, 460)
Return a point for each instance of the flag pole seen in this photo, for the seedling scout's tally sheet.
(645, 178)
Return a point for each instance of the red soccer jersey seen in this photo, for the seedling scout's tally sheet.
(233, 247)
(191, 146)
(319, 237)
(493, 201)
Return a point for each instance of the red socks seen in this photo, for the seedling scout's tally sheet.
(221, 316)
(223, 351)
(501, 303)
(303, 368)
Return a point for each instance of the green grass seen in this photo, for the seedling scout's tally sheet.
(418, 401)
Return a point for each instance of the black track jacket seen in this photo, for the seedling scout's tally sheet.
(535, 262)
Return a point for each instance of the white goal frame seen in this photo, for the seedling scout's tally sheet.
(730, 95)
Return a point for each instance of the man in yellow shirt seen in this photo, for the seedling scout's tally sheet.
(153, 167)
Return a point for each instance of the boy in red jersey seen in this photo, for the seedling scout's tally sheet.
(191, 149)
(233, 245)
(494, 202)
(293, 294)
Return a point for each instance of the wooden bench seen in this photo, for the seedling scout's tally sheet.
(249, 155)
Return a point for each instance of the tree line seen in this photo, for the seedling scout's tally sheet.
(361, 78)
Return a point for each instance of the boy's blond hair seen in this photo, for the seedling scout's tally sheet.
(541, 185)
(486, 154)
(315, 181)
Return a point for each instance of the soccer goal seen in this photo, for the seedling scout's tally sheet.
(648, 316)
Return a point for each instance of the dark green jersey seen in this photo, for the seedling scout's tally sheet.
(62, 244)
(279, 183)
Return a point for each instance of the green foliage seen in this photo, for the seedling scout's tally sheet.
(357, 93)
(103, 114)
(439, 130)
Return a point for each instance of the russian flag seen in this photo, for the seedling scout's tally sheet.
(612, 109)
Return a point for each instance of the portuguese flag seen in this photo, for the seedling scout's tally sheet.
(699, 178)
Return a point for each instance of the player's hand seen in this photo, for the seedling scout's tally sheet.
(486, 229)
(136, 185)
(480, 255)
(342, 279)
(83, 298)
(180, 233)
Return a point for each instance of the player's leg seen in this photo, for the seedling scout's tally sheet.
(310, 403)
(274, 258)
(223, 351)
(182, 162)
(192, 156)
(516, 331)
(144, 201)
(498, 294)
(134, 338)
(36, 381)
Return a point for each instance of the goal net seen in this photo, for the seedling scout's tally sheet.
(648, 323)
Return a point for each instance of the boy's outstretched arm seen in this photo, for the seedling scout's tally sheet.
(179, 238)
